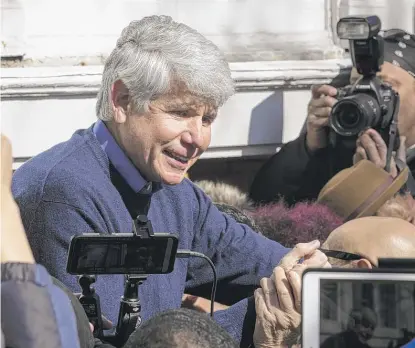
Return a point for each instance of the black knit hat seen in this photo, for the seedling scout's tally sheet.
(400, 49)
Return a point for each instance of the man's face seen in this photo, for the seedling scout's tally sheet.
(403, 83)
(164, 142)
(364, 324)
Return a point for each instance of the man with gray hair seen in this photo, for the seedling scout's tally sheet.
(161, 89)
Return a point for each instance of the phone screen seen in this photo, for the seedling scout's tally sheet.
(370, 313)
(122, 255)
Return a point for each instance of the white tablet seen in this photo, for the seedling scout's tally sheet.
(357, 308)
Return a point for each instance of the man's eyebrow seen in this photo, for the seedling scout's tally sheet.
(175, 104)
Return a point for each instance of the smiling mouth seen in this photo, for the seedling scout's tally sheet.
(176, 157)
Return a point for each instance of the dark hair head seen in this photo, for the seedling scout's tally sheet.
(300, 224)
(237, 214)
(182, 328)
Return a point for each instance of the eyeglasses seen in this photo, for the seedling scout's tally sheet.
(341, 255)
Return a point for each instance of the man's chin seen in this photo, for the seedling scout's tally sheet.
(173, 178)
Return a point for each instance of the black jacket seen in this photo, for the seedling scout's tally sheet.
(34, 312)
(296, 175)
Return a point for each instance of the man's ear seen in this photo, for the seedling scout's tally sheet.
(119, 101)
(362, 263)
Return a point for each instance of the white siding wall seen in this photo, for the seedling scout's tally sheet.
(278, 49)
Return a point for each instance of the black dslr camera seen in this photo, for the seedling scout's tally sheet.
(369, 103)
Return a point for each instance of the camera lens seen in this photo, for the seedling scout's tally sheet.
(349, 116)
(354, 113)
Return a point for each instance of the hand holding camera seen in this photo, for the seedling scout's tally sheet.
(370, 146)
(319, 110)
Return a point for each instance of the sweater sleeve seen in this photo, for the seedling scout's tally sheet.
(50, 236)
(43, 311)
(292, 174)
(241, 257)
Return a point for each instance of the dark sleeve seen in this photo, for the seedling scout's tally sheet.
(42, 310)
(241, 257)
(292, 174)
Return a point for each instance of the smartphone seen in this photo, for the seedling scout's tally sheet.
(121, 253)
(343, 306)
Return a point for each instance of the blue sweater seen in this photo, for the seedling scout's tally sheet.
(67, 191)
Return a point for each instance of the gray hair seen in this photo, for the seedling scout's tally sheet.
(220, 192)
(155, 52)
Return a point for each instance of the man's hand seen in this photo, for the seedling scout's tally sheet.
(278, 310)
(278, 301)
(200, 304)
(371, 146)
(14, 244)
(319, 109)
(307, 251)
(106, 324)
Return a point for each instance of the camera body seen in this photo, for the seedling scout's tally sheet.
(369, 102)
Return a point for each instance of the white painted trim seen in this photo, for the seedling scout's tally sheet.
(215, 152)
(82, 81)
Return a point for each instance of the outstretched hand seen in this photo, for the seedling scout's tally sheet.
(278, 301)
(14, 244)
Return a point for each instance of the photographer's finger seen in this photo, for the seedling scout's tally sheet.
(315, 91)
(321, 112)
(319, 90)
(301, 250)
(285, 296)
(393, 170)
(371, 150)
(317, 122)
(359, 155)
(380, 145)
(401, 154)
(325, 101)
(6, 163)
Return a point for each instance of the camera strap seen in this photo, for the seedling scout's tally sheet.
(410, 182)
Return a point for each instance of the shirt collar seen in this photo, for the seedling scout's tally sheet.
(120, 160)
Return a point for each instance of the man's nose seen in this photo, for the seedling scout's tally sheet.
(195, 132)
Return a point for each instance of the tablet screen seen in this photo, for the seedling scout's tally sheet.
(366, 314)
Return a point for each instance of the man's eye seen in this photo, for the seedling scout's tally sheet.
(208, 120)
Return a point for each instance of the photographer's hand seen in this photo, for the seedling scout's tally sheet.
(371, 146)
(319, 109)
(14, 244)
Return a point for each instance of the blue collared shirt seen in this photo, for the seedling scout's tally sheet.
(118, 158)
